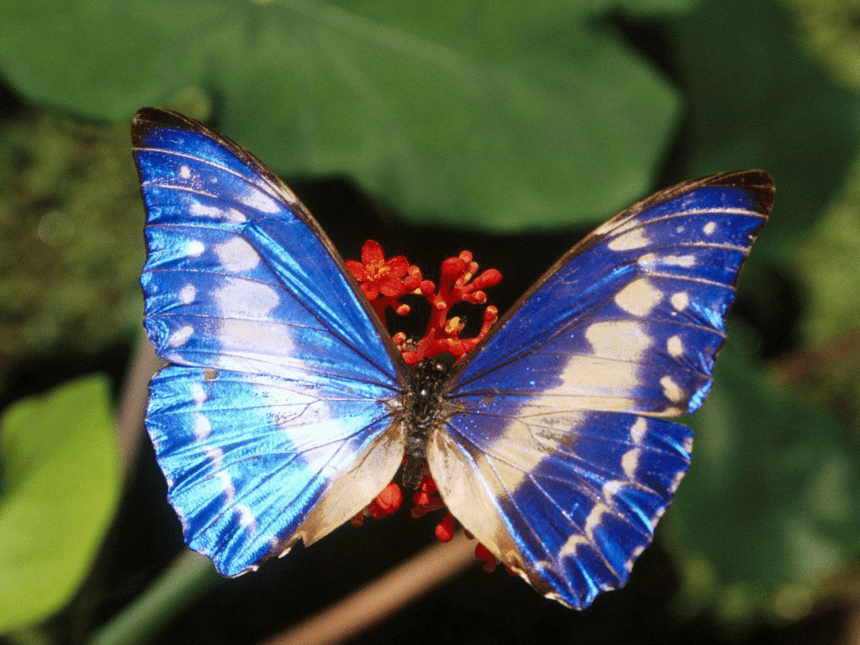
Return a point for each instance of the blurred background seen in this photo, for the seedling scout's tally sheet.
(510, 130)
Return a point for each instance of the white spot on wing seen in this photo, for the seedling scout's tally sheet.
(180, 336)
(244, 332)
(688, 444)
(639, 297)
(187, 294)
(633, 555)
(569, 548)
(638, 429)
(602, 380)
(630, 462)
(202, 427)
(591, 522)
(198, 394)
(623, 338)
(194, 248)
(634, 239)
(185, 172)
(685, 261)
(676, 480)
(672, 390)
(675, 346)
(237, 255)
(259, 200)
(246, 297)
(680, 300)
(709, 228)
(246, 517)
(226, 485)
(228, 214)
(216, 456)
(594, 517)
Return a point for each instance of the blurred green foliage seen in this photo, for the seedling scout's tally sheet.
(70, 236)
(769, 506)
(827, 261)
(475, 114)
(756, 98)
(61, 486)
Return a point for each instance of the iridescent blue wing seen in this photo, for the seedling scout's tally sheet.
(273, 422)
(554, 454)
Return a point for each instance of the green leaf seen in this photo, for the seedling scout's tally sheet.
(770, 503)
(104, 58)
(454, 111)
(756, 99)
(61, 476)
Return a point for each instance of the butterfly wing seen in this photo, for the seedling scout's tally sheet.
(273, 422)
(555, 454)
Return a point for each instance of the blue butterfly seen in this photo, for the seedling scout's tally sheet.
(286, 407)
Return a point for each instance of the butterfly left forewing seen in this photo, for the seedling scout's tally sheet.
(238, 274)
(553, 454)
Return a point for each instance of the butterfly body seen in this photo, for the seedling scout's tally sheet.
(424, 409)
(286, 408)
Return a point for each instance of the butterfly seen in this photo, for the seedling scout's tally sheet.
(286, 408)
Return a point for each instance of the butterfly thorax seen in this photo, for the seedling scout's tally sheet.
(422, 410)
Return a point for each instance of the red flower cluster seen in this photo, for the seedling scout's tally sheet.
(384, 282)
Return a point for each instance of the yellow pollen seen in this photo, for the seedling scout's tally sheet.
(453, 325)
(377, 269)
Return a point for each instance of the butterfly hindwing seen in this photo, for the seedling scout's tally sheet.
(255, 462)
(567, 499)
(280, 389)
(553, 455)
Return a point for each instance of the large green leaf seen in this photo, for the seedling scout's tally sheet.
(463, 112)
(61, 486)
(770, 504)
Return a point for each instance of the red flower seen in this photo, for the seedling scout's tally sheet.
(375, 274)
(488, 559)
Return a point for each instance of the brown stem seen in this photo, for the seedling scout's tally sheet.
(384, 596)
